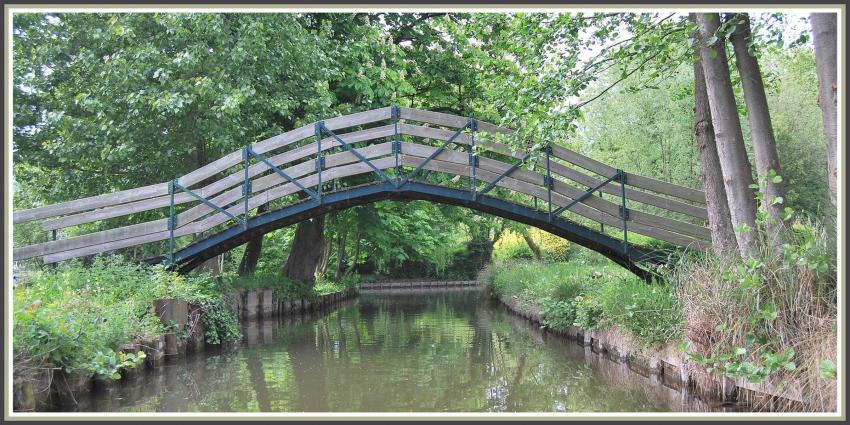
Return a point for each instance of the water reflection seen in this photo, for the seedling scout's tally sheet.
(447, 350)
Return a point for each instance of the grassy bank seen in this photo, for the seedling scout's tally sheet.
(590, 296)
(77, 317)
(769, 322)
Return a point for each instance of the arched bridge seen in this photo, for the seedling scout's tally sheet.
(308, 172)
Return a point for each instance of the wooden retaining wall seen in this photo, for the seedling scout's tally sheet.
(418, 284)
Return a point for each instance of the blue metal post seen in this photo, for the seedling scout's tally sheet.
(473, 159)
(396, 113)
(171, 221)
(549, 182)
(246, 185)
(624, 213)
(319, 158)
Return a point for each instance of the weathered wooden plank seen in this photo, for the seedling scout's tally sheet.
(210, 222)
(217, 166)
(211, 189)
(578, 177)
(558, 199)
(448, 120)
(187, 217)
(563, 189)
(285, 139)
(636, 180)
(22, 216)
(631, 193)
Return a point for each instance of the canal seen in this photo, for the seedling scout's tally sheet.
(413, 351)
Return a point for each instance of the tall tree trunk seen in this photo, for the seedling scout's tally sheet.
(306, 252)
(535, 249)
(213, 266)
(719, 220)
(737, 171)
(761, 129)
(825, 30)
(252, 250)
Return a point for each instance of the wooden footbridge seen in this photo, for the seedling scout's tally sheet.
(309, 171)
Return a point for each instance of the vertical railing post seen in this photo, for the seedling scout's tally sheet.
(624, 212)
(396, 113)
(246, 184)
(319, 159)
(473, 158)
(171, 222)
(601, 225)
(549, 182)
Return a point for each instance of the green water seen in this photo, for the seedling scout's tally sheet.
(444, 351)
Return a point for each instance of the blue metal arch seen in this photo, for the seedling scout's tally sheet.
(632, 257)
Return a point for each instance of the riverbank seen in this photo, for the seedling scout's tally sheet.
(630, 322)
(80, 329)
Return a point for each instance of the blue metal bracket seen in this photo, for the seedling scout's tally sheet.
(321, 127)
(205, 201)
(471, 123)
(320, 160)
(173, 187)
(251, 153)
(396, 115)
(587, 194)
(624, 212)
(506, 173)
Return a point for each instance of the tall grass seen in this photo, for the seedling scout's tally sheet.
(591, 296)
(768, 319)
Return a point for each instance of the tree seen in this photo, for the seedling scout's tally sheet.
(719, 219)
(761, 128)
(253, 249)
(306, 252)
(824, 31)
(737, 171)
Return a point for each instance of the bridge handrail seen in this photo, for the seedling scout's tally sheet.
(156, 196)
(355, 168)
(346, 121)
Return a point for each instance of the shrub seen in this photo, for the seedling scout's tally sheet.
(76, 317)
(588, 311)
(650, 312)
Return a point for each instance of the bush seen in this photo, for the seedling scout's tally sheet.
(590, 296)
(650, 312)
(76, 317)
(588, 311)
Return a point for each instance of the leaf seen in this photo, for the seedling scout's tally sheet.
(777, 179)
(740, 351)
(827, 369)
(712, 54)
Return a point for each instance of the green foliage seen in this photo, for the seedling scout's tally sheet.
(650, 312)
(76, 317)
(827, 369)
(574, 294)
(588, 311)
(780, 298)
(557, 314)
